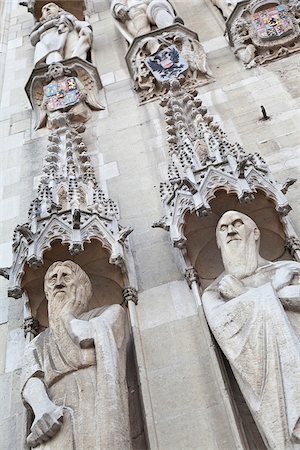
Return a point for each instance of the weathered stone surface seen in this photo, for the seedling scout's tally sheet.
(82, 397)
(259, 338)
(60, 35)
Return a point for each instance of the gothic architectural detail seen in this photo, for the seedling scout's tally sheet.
(293, 245)
(64, 92)
(191, 276)
(31, 326)
(261, 31)
(157, 57)
(204, 161)
(70, 207)
(130, 294)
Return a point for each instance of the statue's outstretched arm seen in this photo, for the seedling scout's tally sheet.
(48, 416)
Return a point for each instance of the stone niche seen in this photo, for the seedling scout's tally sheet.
(263, 30)
(200, 234)
(108, 284)
(205, 257)
(107, 279)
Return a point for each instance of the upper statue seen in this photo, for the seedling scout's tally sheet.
(136, 17)
(60, 35)
(253, 311)
(74, 373)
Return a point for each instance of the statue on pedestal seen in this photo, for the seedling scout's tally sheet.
(74, 374)
(60, 35)
(137, 17)
(253, 310)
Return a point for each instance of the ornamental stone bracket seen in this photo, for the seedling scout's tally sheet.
(263, 30)
(70, 206)
(71, 87)
(203, 161)
(155, 58)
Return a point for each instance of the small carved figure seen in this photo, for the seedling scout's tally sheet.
(253, 310)
(64, 95)
(136, 17)
(243, 47)
(194, 55)
(60, 35)
(74, 374)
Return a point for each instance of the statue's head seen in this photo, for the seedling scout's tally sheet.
(50, 11)
(238, 239)
(67, 285)
(55, 70)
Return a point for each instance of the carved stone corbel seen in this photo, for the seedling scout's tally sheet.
(155, 58)
(130, 294)
(293, 245)
(191, 276)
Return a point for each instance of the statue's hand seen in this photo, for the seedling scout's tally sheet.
(81, 333)
(45, 426)
(283, 277)
(230, 287)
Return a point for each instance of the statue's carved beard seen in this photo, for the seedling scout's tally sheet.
(59, 310)
(240, 257)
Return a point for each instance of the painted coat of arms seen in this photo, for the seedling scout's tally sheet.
(61, 94)
(167, 64)
(272, 23)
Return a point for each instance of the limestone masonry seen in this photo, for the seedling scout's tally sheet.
(150, 225)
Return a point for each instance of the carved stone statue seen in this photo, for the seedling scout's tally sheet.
(64, 95)
(74, 375)
(253, 310)
(60, 35)
(136, 17)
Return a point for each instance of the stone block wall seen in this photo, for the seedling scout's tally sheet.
(184, 399)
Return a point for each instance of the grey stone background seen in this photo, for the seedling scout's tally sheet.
(182, 394)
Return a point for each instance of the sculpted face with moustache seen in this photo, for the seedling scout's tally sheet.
(253, 312)
(74, 355)
(238, 239)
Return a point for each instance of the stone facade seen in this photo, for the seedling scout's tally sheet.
(183, 386)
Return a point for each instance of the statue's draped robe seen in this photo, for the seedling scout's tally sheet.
(90, 383)
(261, 341)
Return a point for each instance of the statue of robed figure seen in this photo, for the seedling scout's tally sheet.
(253, 310)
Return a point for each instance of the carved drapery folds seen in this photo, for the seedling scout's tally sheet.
(203, 161)
(261, 31)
